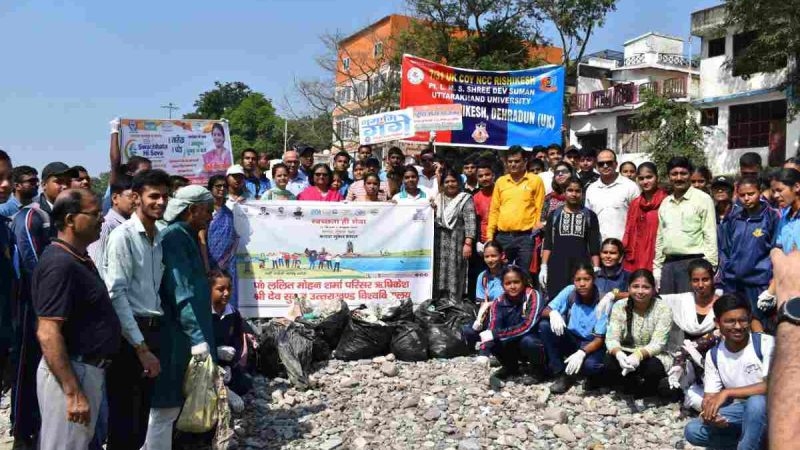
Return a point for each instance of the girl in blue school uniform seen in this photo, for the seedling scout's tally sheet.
(488, 289)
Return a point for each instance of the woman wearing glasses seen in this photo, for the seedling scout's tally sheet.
(552, 201)
(320, 189)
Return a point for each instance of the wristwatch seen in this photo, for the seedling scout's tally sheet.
(790, 311)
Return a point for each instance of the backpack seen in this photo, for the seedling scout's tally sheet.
(756, 336)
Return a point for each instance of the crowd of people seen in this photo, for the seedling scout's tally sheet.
(579, 267)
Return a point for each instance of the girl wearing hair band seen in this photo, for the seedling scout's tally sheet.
(638, 340)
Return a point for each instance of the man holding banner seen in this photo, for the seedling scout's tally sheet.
(515, 209)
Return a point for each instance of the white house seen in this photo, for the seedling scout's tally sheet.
(610, 86)
(740, 115)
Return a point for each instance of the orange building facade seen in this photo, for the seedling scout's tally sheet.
(364, 70)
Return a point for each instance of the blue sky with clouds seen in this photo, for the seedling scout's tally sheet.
(69, 66)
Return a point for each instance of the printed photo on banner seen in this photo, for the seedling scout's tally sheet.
(360, 253)
(498, 108)
(195, 149)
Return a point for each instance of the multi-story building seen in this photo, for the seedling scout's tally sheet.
(367, 82)
(740, 113)
(611, 85)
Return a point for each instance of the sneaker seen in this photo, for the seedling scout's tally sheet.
(562, 384)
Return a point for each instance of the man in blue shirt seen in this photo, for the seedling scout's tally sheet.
(256, 183)
(572, 328)
(25, 180)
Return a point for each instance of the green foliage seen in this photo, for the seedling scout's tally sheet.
(315, 131)
(253, 123)
(213, 104)
(485, 34)
(251, 117)
(100, 183)
(672, 130)
(776, 24)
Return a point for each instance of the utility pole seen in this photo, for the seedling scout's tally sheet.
(171, 108)
(285, 134)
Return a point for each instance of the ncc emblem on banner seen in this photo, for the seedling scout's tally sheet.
(415, 76)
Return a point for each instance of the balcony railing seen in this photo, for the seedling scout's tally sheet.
(627, 94)
(667, 59)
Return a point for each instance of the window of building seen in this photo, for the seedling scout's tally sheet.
(377, 50)
(709, 117)
(740, 43)
(749, 125)
(346, 63)
(716, 47)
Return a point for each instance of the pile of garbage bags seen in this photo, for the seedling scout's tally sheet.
(289, 347)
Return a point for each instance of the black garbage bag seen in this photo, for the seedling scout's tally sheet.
(296, 348)
(409, 342)
(402, 312)
(327, 331)
(268, 361)
(443, 322)
(362, 339)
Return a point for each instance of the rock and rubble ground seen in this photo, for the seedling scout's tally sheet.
(383, 404)
(446, 404)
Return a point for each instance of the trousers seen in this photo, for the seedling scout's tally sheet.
(159, 428)
(129, 395)
(648, 379)
(57, 433)
(525, 348)
(518, 247)
(746, 430)
(558, 348)
(674, 276)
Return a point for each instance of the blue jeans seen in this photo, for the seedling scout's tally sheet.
(558, 348)
(746, 430)
(526, 348)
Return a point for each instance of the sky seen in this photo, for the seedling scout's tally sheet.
(70, 66)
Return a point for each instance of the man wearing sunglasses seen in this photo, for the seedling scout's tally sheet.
(25, 180)
(610, 196)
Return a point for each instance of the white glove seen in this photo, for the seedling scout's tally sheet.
(596, 269)
(766, 301)
(633, 361)
(478, 324)
(236, 403)
(226, 375)
(623, 362)
(557, 322)
(225, 353)
(604, 305)
(657, 276)
(574, 362)
(114, 124)
(674, 377)
(200, 350)
(543, 276)
(691, 349)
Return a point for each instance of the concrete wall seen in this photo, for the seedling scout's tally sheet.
(653, 43)
(716, 78)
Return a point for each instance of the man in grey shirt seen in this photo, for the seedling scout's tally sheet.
(122, 206)
(133, 270)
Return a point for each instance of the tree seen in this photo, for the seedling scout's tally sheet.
(253, 123)
(315, 131)
(775, 27)
(100, 183)
(574, 21)
(482, 34)
(212, 104)
(672, 130)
